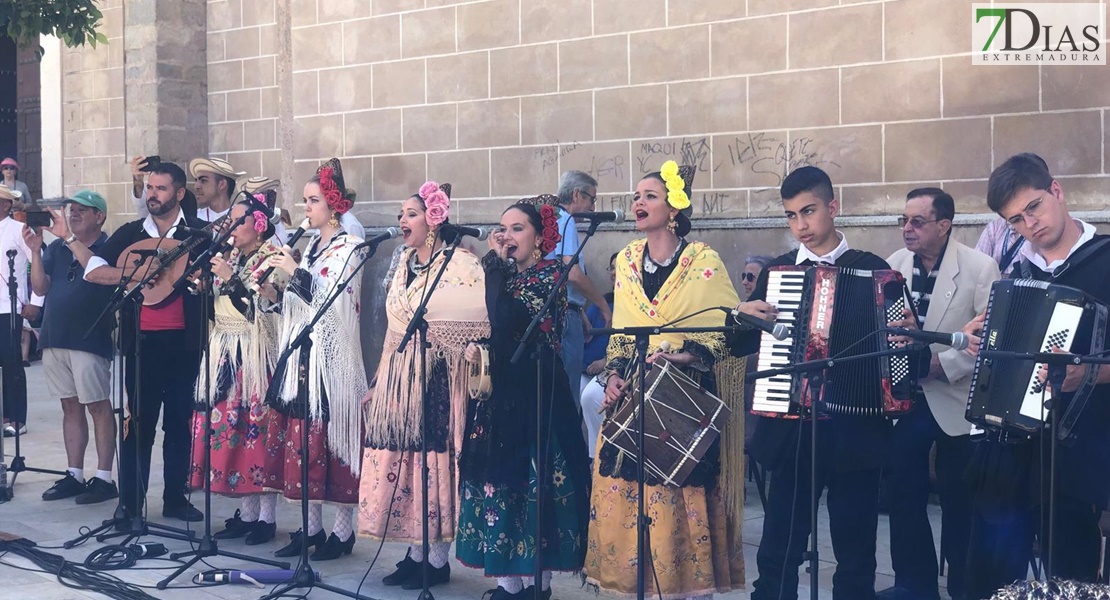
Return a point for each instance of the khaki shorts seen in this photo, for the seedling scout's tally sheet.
(77, 374)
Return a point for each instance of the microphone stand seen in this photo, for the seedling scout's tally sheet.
(814, 371)
(1056, 364)
(119, 517)
(139, 524)
(203, 261)
(541, 442)
(208, 546)
(642, 337)
(419, 325)
(15, 334)
(304, 576)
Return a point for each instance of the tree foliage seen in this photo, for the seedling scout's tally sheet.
(72, 21)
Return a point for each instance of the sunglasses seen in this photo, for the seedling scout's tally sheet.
(915, 222)
(71, 276)
(7, 168)
(747, 277)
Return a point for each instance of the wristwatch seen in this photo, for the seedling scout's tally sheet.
(72, 238)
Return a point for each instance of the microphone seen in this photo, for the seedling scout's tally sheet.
(451, 232)
(193, 231)
(252, 576)
(390, 233)
(147, 253)
(615, 216)
(777, 330)
(957, 340)
(293, 239)
(11, 253)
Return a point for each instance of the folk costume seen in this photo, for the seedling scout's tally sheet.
(329, 379)
(497, 520)
(695, 531)
(390, 496)
(240, 356)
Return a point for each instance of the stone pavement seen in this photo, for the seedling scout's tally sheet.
(50, 524)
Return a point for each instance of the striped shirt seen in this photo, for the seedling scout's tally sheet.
(921, 290)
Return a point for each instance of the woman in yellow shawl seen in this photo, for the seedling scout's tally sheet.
(391, 494)
(694, 535)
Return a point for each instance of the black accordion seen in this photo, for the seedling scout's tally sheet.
(835, 312)
(1029, 316)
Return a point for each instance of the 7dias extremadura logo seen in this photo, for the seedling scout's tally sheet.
(1045, 34)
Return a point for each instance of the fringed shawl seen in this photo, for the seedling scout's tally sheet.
(699, 281)
(456, 316)
(335, 363)
(247, 341)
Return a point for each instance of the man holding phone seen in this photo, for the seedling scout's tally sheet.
(27, 306)
(77, 365)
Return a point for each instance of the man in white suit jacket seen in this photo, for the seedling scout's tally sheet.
(950, 284)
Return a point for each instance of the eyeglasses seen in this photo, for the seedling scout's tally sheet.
(1031, 210)
(747, 277)
(592, 197)
(915, 222)
(72, 274)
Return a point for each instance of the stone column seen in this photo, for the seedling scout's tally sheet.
(166, 78)
(290, 187)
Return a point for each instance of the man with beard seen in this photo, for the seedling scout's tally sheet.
(170, 337)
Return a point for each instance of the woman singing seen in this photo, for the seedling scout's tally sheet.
(694, 535)
(330, 377)
(497, 518)
(390, 499)
(240, 359)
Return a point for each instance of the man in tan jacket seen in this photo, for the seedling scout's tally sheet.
(950, 284)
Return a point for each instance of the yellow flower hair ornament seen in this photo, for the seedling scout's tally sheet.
(676, 187)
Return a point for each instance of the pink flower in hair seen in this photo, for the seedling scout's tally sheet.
(429, 188)
(437, 206)
(260, 221)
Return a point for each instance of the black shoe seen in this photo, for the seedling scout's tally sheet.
(334, 548)
(294, 547)
(185, 512)
(124, 517)
(530, 593)
(234, 528)
(261, 532)
(501, 594)
(405, 569)
(97, 490)
(435, 577)
(66, 487)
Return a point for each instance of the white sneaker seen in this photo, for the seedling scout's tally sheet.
(9, 430)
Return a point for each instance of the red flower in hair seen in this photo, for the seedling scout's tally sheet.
(550, 233)
(332, 195)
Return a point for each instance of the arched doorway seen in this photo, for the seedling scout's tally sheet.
(20, 113)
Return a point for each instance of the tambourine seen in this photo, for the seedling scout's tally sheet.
(479, 383)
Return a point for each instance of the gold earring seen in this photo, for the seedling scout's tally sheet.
(333, 221)
(430, 239)
(672, 225)
(536, 256)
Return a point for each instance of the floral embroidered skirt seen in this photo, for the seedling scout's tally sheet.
(391, 496)
(239, 440)
(693, 547)
(497, 524)
(329, 478)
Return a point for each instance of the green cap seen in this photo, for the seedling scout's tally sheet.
(91, 199)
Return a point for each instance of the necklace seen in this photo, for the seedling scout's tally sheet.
(650, 266)
(416, 267)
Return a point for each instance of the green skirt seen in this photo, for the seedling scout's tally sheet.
(497, 524)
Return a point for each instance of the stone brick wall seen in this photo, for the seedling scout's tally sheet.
(243, 108)
(93, 116)
(500, 96)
